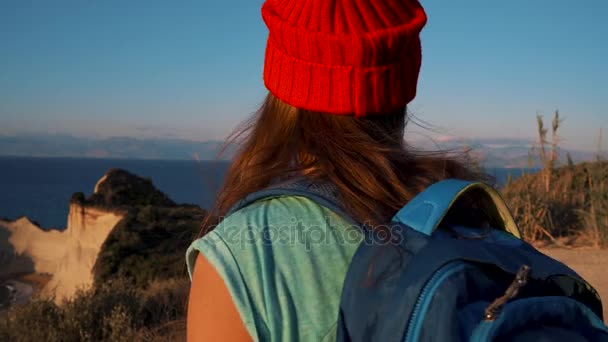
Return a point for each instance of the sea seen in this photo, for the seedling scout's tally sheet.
(40, 188)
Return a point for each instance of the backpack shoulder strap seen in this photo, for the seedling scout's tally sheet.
(425, 212)
(324, 194)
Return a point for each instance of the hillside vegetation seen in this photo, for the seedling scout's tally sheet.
(574, 210)
(563, 204)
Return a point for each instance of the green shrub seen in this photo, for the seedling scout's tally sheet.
(149, 243)
(117, 311)
(38, 320)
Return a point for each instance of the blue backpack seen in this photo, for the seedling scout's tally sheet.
(424, 279)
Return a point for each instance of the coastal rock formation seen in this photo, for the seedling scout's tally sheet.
(125, 231)
(119, 188)
(67, 256)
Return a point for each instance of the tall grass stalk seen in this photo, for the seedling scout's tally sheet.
(566, 204)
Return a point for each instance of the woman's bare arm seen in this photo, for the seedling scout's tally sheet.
(212, 316)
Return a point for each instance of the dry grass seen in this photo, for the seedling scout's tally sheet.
(575, 207)
(567, 205)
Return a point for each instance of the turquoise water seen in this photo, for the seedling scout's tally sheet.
(40, 188)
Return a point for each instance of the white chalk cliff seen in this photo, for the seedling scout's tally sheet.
(67, 256)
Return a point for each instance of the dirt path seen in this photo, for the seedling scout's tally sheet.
(591, 264)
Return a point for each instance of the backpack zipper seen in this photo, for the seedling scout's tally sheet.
(424, 299)
(521, 279)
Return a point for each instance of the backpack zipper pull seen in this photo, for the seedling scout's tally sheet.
(521, 279)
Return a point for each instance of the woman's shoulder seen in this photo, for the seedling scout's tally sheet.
(279, 254)
(284, 219)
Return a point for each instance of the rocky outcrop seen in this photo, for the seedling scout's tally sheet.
(68, 255)
(120, 188)
(125, 228)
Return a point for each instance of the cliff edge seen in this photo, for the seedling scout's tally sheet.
(69, 256)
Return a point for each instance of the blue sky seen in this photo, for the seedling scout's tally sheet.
(192, 69)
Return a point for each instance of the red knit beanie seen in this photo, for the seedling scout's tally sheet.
(348, 57)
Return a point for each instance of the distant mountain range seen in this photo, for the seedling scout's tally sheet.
(115, 147)
(503, 152)
(500, 152)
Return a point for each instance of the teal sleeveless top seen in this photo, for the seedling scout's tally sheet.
(284, 261)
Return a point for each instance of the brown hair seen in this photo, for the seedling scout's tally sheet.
(366, 158)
